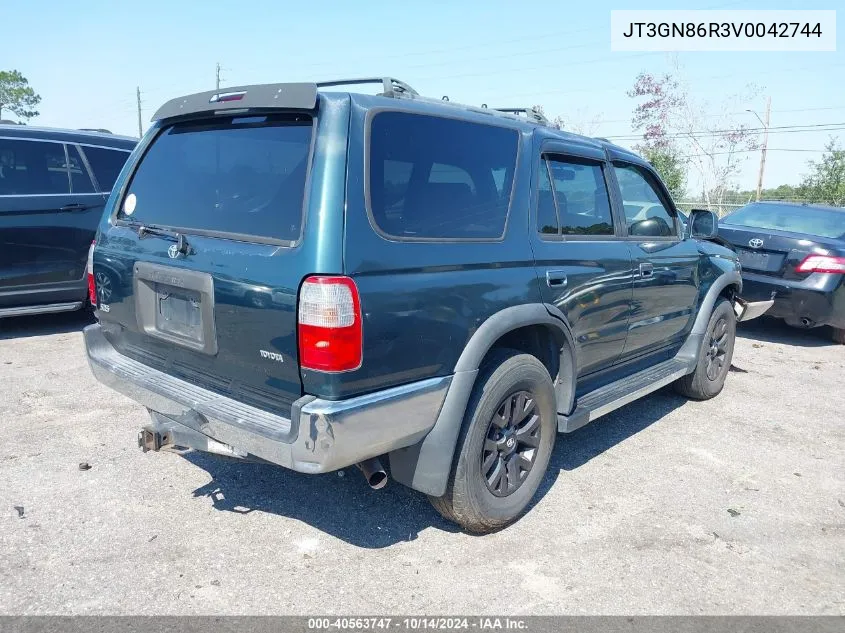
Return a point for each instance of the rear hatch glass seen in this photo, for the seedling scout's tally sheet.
(221, 313)
(242, 176)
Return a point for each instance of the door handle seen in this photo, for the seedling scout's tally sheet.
(555, 278)
(646, 270)
(76, 206)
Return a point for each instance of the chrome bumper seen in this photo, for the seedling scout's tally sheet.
(321, 436)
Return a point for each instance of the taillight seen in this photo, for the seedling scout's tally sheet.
(329, 324)
(822, 264)
(92, 286)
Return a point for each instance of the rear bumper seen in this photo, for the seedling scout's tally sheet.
(321, 436)
(819, 299)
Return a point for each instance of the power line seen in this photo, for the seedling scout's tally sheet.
(785, 129)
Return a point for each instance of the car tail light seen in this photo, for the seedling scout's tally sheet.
(822, 264)
(329, 324)
(92, 286)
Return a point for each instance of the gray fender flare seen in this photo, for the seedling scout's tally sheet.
(425, 466)
(692, 345)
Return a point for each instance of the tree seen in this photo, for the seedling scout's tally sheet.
(826, 180)
(671, 167)
(17, 96)
(671, 120)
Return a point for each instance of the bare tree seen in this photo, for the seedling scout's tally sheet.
(670, 119)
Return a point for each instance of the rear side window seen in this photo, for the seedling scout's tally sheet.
(437, 178)
(33, 167)
(233, 176)
(106, 164)
(581, 195)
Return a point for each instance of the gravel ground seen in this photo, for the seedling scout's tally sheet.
(732, 506)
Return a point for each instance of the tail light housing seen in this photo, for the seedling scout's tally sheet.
(329, 324)
(92, 286)
(822, 264)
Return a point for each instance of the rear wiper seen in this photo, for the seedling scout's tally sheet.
(181, 242)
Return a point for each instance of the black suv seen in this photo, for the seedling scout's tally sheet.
(53, 185)
(320, 279)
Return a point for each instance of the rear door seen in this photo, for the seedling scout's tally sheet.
(665, 294)
(583, 267)
(49, 211)
(207, 290)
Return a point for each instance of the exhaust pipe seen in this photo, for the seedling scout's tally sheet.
(807, 322)
(374, 473)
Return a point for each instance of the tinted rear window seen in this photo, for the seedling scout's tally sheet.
(238, 176)
(808, 220)
(440, 178)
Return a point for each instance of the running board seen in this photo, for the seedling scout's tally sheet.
(617, 394)
(42, 309)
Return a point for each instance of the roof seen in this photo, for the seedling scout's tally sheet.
(69, 136)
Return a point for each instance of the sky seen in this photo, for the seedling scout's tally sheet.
(86, 58)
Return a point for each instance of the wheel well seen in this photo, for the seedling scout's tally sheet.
(538, 340)
(729, 292)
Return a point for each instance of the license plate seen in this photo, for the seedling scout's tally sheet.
(179, 312)
(768, 262)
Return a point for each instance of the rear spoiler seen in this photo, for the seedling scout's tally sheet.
(296, 96)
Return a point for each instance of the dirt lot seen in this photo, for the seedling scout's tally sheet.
(736, 505)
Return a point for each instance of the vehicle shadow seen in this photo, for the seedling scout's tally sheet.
(346, 508)
(771, 330)
(44, 324)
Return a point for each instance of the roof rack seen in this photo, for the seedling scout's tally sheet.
(392, 86)
(101, 130)
(530, 113)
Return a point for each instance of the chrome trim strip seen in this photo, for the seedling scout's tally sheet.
(49, 308)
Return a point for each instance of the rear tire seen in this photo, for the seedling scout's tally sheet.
(714, 357)
(504, 446)
(839, 335)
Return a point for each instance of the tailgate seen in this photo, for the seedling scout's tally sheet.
(198, 274)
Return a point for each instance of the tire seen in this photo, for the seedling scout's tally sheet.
(714, 357)
(838, 335)
(483, 493)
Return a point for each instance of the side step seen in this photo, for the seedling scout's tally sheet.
(617, 394)
(48, 308)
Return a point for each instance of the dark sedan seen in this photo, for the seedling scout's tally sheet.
(795, 253)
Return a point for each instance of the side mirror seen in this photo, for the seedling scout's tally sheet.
(703, 224)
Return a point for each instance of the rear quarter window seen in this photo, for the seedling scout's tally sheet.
(106, 164)
(436, 178)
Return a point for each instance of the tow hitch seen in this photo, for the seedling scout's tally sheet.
(150, 439)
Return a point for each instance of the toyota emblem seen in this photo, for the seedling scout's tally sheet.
(173, 251)
(753, 243)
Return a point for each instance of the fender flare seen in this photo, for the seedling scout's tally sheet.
(426, 466)
(692, 345)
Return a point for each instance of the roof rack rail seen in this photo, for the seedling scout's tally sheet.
(101, 130)
(530, 113)
(392, 86)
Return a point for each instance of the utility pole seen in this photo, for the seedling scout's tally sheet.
(217, 84)
(764, 147)
(138, 97)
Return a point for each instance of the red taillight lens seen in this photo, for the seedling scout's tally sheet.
(92, 286)
(329, 324)
(822, 264)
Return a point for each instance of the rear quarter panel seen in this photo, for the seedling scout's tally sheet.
(423, 301)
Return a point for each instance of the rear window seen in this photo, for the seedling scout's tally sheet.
(236, 176)
(809, 220)
(436, 178)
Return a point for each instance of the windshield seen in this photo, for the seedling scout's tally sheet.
(797, 219)
(237, 175)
